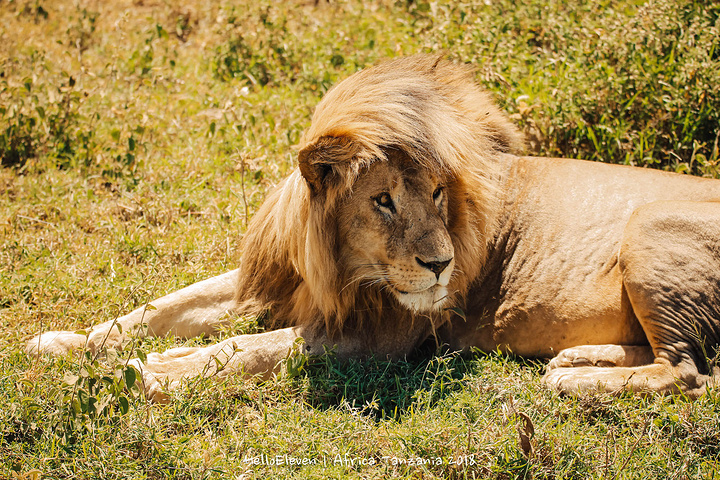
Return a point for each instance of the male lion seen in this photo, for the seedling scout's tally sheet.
(408, 207)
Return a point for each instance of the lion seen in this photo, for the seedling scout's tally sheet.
(412, 217)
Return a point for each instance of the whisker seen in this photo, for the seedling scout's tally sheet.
(373, 277)
(355, 279)
(380, 281)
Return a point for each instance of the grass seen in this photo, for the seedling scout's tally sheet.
(137, 137)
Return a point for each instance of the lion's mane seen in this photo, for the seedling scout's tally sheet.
(430, 108)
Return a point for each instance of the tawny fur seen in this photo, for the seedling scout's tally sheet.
(423, 105)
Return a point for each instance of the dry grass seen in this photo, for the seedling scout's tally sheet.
(137, 136)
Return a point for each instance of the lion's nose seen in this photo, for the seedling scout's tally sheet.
(436, 267)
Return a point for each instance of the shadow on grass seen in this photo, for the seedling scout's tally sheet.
(389, 388)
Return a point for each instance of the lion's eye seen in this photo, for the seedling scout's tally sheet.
(385, 200)
(438, 193)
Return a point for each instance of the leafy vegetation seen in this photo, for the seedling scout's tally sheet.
(138, 137)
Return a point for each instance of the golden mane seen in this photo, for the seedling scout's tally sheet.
(424, 105)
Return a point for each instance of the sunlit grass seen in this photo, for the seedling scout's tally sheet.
(138, 136)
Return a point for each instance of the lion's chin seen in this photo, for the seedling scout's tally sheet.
(430, 300)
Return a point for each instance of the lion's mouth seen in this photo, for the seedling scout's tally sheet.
(402, 292)
(413, 292)
(426, 300)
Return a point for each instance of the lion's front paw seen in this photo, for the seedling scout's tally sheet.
(100, 339)
(571, 381)
(155, 385)
(56, 343)
(570, 357)
(164, 372)
(246, 355)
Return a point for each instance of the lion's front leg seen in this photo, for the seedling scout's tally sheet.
(194, 310)
(246, 355)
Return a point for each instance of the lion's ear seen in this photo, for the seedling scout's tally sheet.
(506, 138)
(325, 162)
(502, 133)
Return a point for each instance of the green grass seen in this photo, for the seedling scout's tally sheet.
(136, 138)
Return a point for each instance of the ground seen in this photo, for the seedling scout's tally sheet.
(138, 137)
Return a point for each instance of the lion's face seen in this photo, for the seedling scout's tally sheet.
(393, 232)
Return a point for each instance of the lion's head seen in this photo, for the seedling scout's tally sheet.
(390, 203)
(393, 232)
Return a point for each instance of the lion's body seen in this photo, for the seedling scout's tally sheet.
(552, 278)
(410, 207)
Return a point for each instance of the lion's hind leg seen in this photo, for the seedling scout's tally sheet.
(603, 356)
(670, 265)
(590, 369)
(658, 377)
